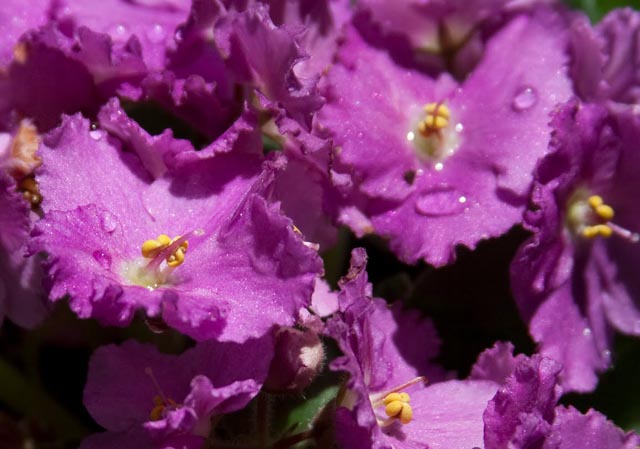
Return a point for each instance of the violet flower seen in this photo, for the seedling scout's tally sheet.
(524, 412)
(432, 164)
(386, 404)
(575, 280)
(146, 399)
(606, 61)
(21, 296)
(199, 245)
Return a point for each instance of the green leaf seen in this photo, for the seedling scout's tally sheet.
(596, 9)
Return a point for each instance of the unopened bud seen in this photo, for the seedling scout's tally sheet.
(298, 358)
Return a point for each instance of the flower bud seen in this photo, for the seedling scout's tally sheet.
(298, 358)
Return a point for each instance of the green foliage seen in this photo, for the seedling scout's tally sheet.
(596, 9)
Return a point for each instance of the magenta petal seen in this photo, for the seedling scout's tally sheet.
(591, 430)
(119, 392)
(448, 415)
(523, 409)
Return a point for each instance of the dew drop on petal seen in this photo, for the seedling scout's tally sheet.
(108, 222)
(586, 332)
(179, 34)
(102, 258)
(524, 99)
(157, 34)
(440, 202)
(96, 134)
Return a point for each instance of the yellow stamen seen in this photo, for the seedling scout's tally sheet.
(599, 230)
(605, 212)
(437, 118)
(177, 257)
(30, 191)
(152, 248)
(397, 406)
(161, 402)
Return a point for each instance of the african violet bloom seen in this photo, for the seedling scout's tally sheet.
(524, 414)
(606, 60)
(575, 280)
(146, 399)
(241, 46)
(21, 298)
(442, 33)
(387, 403)
(433, 164)
(195, 240)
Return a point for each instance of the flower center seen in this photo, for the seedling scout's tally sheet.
(433, 137)
(154, 273)
(397, 406)
(151, 249)
(396, 403)
(160, 401)
(590, 217)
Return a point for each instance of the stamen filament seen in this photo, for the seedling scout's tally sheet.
(378, 399)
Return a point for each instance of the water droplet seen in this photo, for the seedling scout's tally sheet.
(108, 222)
(102, 258)
(439, 202)
(157, 34)
(94, 126)
(462, 199)
(411, 136)
(606, 354)
(459, 127)
(586, 332)
(439, 166)
(118, 32)
(96, 134)
(179, 34)
(525, 99)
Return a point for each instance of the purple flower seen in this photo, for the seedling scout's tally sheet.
(433, 164)
(199, 244)
(151, 24)
(575, 280)
(147, 399)
(524, 414)
(606, 62)
(439, 34)
(226, 47)
(21, 296)
(67, 71)
(17, 17)
(386, 403)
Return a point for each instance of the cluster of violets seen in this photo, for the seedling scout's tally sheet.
(433, 124)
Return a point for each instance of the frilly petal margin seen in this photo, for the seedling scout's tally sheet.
(246, 271)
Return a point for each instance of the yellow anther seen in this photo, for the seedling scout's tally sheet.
(605, 212)
(601, 209)
(156, 412)
(599, 230)
(437, 118)
(397, 406)
(595, 201)
(177, 257)
(151, 248)
(438, 109)
(391, 397)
